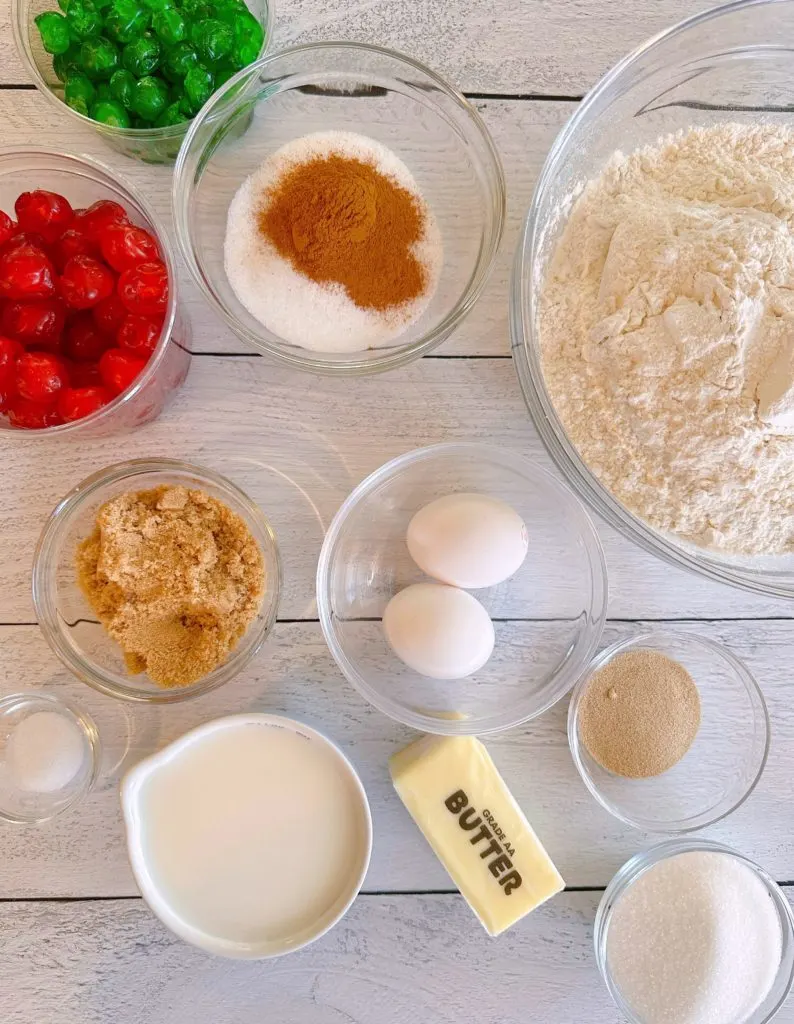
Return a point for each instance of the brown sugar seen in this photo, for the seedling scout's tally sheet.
(175, 577)
(639, 714)
(339, 219)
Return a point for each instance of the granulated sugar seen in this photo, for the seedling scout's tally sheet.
(316, 316)
(695, 940)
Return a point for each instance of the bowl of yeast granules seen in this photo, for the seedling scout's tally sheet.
(669, 731)
(156, 581)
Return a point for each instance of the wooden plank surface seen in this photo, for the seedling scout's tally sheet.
(393, 960)
(522, 132)
(82, 854)
(494, 46)
(298, 445)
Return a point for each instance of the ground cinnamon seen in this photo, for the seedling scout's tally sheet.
(339, 219)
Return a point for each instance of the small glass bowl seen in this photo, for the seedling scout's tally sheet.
(83, 182)
(545, 635)
(723, 765)
(70, 625)
(357, 88)
(25, 807)
(637, 866)
(152, 145)
(723, 65)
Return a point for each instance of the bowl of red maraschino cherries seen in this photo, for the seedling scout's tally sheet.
(91, 337)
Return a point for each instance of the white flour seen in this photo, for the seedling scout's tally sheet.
(318, 316)
(667, 334)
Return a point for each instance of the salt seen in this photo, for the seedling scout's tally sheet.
(695, 940)
(315, 316)
(44, 752)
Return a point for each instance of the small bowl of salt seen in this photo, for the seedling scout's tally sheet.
(49, 757)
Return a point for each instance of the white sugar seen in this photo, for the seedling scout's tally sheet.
(320, 317)
(695, 940)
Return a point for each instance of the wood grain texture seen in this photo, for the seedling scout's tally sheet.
(522, 131)
(298, 445)
(501, 46)
(391, 960)
(82, 854)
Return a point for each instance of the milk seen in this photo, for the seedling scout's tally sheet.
(249, 836)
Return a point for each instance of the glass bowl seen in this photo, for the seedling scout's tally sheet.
(83, 182)
(547, 629)
(26, 807)
(723, 765)
(637, 866)
(68, 622)
(377, 93)
(152, 145)
(726, 64)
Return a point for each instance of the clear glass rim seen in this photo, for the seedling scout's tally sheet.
(90, 733)
(82, 166)
(654, 638)
(637, 866)
(43, 596)
(164, 134)
(388, 358)
(526, 354)
(564, 680)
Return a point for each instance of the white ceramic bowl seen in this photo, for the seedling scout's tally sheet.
(132, 789)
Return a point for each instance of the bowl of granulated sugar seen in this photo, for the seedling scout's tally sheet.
(669, 731)
(692, 932)
(340, 206)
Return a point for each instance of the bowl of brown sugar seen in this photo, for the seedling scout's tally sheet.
(669, 731)
(156, 581)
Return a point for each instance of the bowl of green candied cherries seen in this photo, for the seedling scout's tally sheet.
(138, 71)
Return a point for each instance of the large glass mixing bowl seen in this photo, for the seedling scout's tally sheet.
(732, 63)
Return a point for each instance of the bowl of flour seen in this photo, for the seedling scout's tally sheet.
(652, 313)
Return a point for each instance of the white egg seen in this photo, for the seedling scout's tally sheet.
(468, 540)
(439, 631)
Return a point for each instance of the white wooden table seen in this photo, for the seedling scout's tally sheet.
(77, 945)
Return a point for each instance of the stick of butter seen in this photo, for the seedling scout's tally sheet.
(458, 799)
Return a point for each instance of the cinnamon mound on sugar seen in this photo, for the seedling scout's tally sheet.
(338, 219)
(175, 577)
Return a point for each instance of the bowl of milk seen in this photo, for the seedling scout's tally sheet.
(249, 836)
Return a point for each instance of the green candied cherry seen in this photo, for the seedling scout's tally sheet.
(150, 97)
(170, 26)
(125, 20)
(249, 37)
(199, 85)
(196, 10)
(99, 57)
(104, 92)
(79, 93)
(122, 86)
(67, 64)
(84, 19)
(179, 60)
(172, 115)
(142, 56)
(54, 31)
(212, 39)
(111, 113)
(223, 74)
